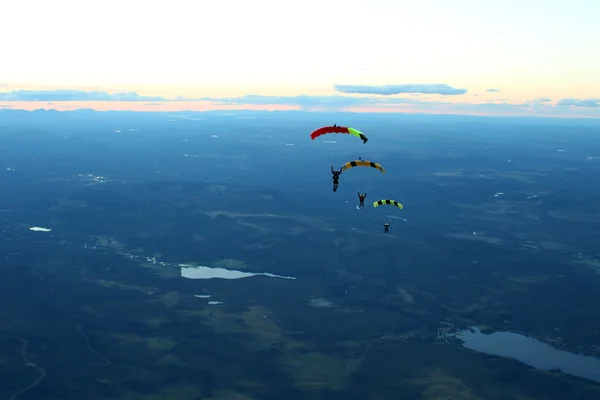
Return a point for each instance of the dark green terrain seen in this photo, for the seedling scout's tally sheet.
(501, 231)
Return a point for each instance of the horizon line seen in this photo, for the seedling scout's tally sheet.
(265, 110)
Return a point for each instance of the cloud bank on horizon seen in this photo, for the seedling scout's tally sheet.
(386, 98)
(436, 88)
(73, 95)
(580, 102)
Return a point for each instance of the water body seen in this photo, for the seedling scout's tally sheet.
(191, 272)
(532, 352)
(39, 229)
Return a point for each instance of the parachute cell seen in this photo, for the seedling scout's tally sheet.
(338, 129)
(362, 163)
(388, 202)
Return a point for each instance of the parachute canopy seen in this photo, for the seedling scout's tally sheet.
(390, 202)
(338, 129)
(362, 163)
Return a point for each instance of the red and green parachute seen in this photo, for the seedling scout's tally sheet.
(338, 129)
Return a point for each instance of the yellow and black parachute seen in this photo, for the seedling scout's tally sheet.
(362, 163)
(387, 201)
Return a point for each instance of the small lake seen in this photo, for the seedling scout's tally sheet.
(39, 229)
(199, 272)
(532, 352)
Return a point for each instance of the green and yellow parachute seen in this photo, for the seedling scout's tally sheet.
(362, 163)
(338, 129)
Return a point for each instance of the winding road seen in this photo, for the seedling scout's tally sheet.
(28, 363)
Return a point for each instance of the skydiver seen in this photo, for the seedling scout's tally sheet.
(336, 178)
(386, 227)
(335, 125)
(361, 198)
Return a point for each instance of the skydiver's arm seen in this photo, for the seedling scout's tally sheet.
(332, 169)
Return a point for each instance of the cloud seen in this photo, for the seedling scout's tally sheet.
(339, 103)
(492, 90)
(302, 100)
(50, 96)
(434, 88)
(579, 102)
(420, 103)
(73, 95)
(335, 102)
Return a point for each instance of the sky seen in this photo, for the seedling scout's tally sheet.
(492, 57)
